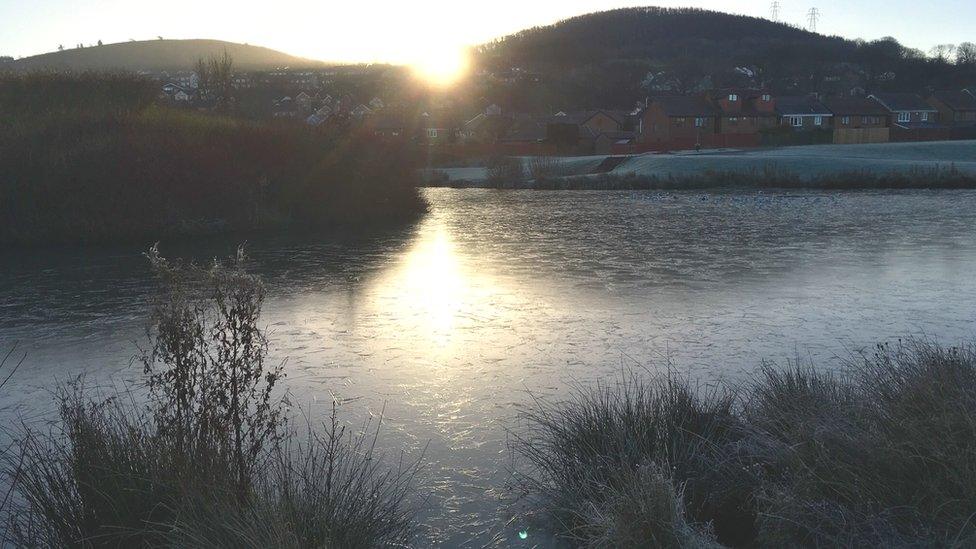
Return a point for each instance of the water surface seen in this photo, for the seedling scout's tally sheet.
(448, 325)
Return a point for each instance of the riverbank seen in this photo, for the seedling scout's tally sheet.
(949, 164)
(92, 159)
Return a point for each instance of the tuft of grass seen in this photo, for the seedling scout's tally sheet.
(881, 453)
(582, 455)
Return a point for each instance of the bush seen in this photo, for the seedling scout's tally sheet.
(89, 172)
(542, 167)
(209, 460)
(505, 170)
(882, 453)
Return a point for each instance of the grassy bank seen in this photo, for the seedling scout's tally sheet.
(89, 158)
(882, 454)
(769, 178)
(210, 459)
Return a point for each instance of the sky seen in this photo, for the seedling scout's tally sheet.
(421, 31)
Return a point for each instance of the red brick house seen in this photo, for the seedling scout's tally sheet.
(677, 119)
(858, 120)
(803, 113)
(743, 111)
(956, 108)
(907, 110)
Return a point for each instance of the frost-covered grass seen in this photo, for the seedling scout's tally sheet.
(943, 164)
(812, 162)
(881, 454)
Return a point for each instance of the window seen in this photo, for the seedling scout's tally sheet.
(846, 120)
(699, 122)
(680, 121)
(904, 117)
(796, 121)
(432, 132)
(733, 121)
(733, 97)
(925, 117)
(818, 121)
(766, 98)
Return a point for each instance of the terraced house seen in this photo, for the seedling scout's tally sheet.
(956, 108)
(685, 121)
(803, 112)
(858, 120)
(743, 111)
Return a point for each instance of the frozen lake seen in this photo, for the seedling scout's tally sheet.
(450, 323)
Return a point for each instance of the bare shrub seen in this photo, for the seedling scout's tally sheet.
(505, 170)
(209, 460)
(543, 167)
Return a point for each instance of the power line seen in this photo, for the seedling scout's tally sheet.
(774, 10)
(812, 16)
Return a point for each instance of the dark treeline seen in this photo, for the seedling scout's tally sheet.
(601, 59)
(91, 157)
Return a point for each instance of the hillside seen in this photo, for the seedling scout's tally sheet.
(616, 57)
(159, 55)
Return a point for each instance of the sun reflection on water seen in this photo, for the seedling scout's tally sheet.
(434, 294)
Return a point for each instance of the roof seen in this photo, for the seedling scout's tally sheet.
(801, 105)
(315, 120)
(957, 100)
(526, 128)
(896, 102)
(854, 106)
(582, 117)
(680, 105)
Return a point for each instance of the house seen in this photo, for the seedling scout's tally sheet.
(316, 120)
(486, 128)
(325, 110)
(956, 108)
(284, 107)
(176, 93)
(677, 119)
(802, 113)
(376, 104)
(360, 111)
(525, 129)
(242, 81)
(598, 120)
(858, 120)
(437, 129)
(743, 111)
(907, 110)
(304, 101)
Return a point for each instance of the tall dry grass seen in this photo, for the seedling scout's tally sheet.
(208, 459)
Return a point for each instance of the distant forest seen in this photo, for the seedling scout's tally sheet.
(614, 58)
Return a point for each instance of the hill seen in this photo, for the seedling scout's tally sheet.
(616, 57)
(155, 55)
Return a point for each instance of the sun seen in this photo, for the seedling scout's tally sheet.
(442, 67)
